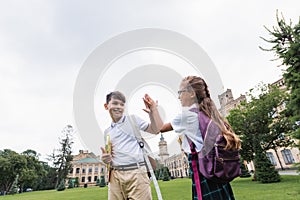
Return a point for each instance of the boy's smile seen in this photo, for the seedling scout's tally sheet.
(115, 108)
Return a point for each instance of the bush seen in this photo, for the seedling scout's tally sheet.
(102, 181)
(61, 186)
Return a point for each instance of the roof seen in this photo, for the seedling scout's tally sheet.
(88, 160)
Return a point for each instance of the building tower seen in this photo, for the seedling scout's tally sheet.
(225, 97)
(228, 103)
(163, 150)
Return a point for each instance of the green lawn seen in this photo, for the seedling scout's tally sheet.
(180, 189)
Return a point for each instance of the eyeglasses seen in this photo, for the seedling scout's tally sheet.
(181, 91)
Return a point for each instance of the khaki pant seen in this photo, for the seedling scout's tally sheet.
(131, 184)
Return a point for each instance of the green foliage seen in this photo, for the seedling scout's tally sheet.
(62, 158)
(265, 171)
(61, 186)
(14, 187)
(98, 181)
(244, 171)
(48, 180)
(260, 124)
(71, 183)
(160, 174)
(11, 164)
(102, 181)
(166, 174)
(31, 171)
(285, 39)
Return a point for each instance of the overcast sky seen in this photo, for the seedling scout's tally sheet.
(43, 45)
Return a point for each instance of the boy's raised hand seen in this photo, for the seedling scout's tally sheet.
(149, 103)
(106, 157)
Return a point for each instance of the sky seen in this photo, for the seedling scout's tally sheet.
(44, 44)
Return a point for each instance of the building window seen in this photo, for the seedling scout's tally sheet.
(90, 169)
(95, 178)
(83, 179)
(83, 170)
(271, 158)
(89, 179)
(287, 156)
(96, 169)
(77, 170)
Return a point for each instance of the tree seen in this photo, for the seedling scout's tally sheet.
(102, 181)
(244, 170)
(285, 39)
(62, 160)
(71, 183)
(32, 172)
(14, 187)
(61, 186)
(282, 129)
(266, 172)
(11, 165)
(166, 174)
(260, 126)
(48, 180)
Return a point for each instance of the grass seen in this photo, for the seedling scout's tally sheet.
(179, 189)
(287, 189)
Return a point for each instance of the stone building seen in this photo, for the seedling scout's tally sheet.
(282, 157)
(87, 167)
(228, 103)
(177, 164)
(163, 150)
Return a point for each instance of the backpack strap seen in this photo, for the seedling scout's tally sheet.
(194, 158)
(143, 144)
(203, 121)
(209, 131)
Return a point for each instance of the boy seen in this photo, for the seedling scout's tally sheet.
(128, 175)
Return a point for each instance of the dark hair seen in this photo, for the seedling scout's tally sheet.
(116, 95)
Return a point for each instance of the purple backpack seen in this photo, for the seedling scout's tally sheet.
(216, 163)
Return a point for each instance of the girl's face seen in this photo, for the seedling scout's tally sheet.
(186, 95)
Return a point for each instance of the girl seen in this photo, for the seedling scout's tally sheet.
(193, 94)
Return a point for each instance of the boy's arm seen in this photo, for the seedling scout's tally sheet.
(156, 122)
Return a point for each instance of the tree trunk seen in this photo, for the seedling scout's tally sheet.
(278, 159)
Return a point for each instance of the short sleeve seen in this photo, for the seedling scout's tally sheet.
(184, 120)
(186, 124)
(142, 124)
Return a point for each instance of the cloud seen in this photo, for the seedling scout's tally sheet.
(44, 43)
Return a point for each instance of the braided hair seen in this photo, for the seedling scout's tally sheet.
(207, 106)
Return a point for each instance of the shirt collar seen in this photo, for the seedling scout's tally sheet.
(113, 124)
(195, 105)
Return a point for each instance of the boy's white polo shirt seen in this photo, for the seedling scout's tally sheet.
(125, 147)
(187, 125)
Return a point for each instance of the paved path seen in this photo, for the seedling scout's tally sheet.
(288, 172)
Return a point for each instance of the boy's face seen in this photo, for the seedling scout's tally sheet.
(116, 109)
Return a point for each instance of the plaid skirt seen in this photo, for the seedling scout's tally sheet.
(210, 190)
